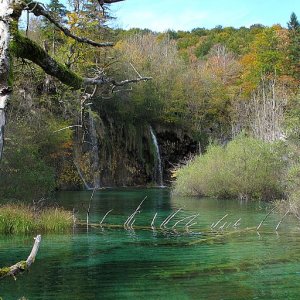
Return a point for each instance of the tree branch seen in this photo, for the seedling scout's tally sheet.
(102, 2)
(25, 48)
(108, 1)
(21, 266)
(113, 82)
(38, 10)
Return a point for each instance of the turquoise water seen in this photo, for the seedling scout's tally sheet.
(144, 264)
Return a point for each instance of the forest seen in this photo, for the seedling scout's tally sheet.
(207, 114)
(208, 87)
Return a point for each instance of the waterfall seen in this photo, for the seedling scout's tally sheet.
(94, 151)
(158, 171)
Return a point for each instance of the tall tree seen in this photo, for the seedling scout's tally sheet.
(58, 12)
(294, 46)
(13, 43)
(293, 24)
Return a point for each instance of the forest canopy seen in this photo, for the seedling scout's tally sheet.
(211, 84)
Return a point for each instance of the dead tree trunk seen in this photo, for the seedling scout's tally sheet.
(21, 266)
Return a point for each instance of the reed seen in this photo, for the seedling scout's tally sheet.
(55, 219)
(21, 218)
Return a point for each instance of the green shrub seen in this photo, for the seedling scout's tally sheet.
(25, 175)
(292, 202)
(245, 168)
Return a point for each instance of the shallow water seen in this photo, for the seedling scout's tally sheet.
(145, 264)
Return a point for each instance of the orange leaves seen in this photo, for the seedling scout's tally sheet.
(266, 58)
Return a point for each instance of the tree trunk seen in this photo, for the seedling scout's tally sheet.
(21, 266)
(5, 89)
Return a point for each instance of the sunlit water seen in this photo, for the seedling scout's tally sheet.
(145, 264)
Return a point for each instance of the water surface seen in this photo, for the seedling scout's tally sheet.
(144, 264)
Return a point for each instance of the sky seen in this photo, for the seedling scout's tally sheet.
(162, 15)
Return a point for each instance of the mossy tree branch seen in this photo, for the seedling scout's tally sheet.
(23, 47)
(23, 265)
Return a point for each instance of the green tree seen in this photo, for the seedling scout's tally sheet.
(266, 58)
(294, 46)
(59, 12)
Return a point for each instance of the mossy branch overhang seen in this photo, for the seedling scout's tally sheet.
(22, 47)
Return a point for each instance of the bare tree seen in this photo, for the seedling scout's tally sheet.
(223, 64)
(13, 43)
(263, 114)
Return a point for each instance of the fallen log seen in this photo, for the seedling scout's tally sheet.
(23, 265)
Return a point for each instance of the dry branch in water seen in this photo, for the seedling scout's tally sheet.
(263, 220)
(168, 219)
(131, 217)
(215, 224)
(282, 219)
(21, 266)
(153, 220)
(105, 216)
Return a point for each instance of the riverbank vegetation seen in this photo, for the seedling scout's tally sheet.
(246, 168)
(21, 219)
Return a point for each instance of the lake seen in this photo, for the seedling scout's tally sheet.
(114, 263)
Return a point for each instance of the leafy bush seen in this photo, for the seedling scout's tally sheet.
(246, 168)
(292, 203)
(32, 154)
(25, 175)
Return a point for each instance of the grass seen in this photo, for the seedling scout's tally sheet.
(21, 218)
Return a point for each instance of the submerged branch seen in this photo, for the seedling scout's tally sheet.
(169, 218)
(215, 224)
(89, 207)
(105, 216)
(263, 220)
(282, 219)
(153, 220)
(21, 266)
(131, 217)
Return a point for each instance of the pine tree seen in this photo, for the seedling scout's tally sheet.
(294, 47)
(293, 24)
(59, 12)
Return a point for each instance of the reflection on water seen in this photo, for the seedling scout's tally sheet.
(144, 264)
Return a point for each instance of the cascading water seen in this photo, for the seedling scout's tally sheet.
(94, 151)
(158, 171)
